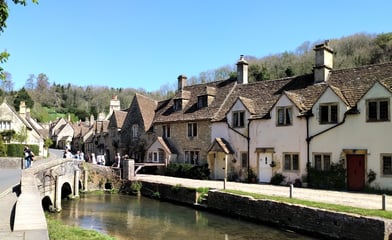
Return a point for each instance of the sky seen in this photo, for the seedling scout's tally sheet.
(147, 44)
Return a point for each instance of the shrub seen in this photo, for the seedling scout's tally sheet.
(187, 171)
(277, 179)
(334, 178)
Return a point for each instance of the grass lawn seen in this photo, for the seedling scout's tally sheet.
(326, 206)
(59, 231)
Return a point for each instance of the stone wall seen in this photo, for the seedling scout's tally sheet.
(11, 162)
(166, 192)
(308, 220)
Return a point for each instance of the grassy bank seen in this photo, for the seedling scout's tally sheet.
(59, 231)
(326, 206)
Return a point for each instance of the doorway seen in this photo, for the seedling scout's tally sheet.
(355, 172)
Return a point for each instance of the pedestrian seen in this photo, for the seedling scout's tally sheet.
(93, 160)
(28, 155)
(117, 160)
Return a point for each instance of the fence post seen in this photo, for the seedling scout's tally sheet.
(291, 190)
(384, 202)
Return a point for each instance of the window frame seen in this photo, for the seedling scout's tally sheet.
(238, 118)
(382, 165)
(189, 157)
(378, 111)
(177, 106)
(192, 130)
(166, 131)
(202, 101)
(331, 118)
(5, 125)
(287, 115)
(291, 167)
(135, 131)
(244, 159)
(323, 165)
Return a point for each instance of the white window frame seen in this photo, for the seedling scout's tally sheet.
(5, 125)
(284, 116)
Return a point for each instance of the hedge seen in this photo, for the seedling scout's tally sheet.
(16, 150)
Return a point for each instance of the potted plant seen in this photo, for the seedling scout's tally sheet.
(273, 164)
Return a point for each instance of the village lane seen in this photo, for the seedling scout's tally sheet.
(360, 200)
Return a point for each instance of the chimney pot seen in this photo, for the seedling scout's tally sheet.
(242, 70)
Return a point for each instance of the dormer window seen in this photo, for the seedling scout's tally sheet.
(328, 113)
(377, 110)
(239, 119)
(177, 104)
(284, 116)
(202, 101)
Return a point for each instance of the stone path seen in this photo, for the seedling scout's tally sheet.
(361, 200)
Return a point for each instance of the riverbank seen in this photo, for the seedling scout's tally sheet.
(301, 218)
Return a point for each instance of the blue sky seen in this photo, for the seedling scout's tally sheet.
(148, 43)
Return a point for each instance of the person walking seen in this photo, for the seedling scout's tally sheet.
(28, 155)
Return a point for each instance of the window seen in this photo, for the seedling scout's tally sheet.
(386, 164)
(244, 159)
(5, 125)
(192, 157)
(135, 130)
(328, 113)
(291, 161)
(239, 119)
(192, 129)
(322, 161)
(284, 116)
(377, 110)
(156, 156)
(177, 104)
(202, 101)
(166, 131)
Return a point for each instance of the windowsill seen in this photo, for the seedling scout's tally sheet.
(291, 171)
(326, 123)
(286, 125)
(375, 121)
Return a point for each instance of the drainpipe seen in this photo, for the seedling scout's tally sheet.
(309, 138)
(248, 142)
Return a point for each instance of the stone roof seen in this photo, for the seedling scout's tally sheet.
(117, 118)
(354, 83)
(191, 112)
(147, 108)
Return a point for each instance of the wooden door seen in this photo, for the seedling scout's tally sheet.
(355, 172)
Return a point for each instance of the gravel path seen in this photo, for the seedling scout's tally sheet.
(361, 200)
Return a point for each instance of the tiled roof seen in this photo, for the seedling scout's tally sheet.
(117, 119)
(190, 112)
(147, 108)
(354, 83)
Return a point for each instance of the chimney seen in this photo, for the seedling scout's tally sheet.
(181, 82)
(114, 105)
(242, 71)
(22, 109)
(323, 62)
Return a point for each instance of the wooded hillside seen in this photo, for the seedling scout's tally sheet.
(50, 100)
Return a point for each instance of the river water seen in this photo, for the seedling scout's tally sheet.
(139, 218)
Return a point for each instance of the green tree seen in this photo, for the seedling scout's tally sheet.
(23, 95)
(21, 136)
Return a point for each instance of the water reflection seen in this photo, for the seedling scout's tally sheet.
(129, 217)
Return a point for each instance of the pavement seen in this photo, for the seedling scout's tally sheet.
(360, 200)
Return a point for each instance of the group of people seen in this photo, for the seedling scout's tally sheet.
(99, 159)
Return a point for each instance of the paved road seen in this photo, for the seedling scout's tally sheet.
(367, 201)
(8, 179)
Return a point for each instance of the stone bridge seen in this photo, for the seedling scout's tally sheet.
(42, 187)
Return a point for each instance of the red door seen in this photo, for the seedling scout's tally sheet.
(355, 172)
